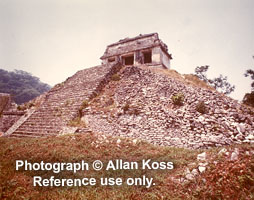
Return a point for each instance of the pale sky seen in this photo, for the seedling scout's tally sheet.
(53, 39)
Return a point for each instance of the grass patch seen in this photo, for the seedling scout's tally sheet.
(89, 147)
(77, 122)
(194, 80)
(85, 104)
(115, 77)
(178, 99)
(201, 107)
(190, 79)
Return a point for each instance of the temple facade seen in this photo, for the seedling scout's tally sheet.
(145, 49)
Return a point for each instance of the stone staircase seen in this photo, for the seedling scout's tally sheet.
(18, 123)
(63, 102)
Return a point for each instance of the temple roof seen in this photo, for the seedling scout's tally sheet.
(133, 44)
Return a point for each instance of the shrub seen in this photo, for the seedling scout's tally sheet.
(80, 113)
(215, 128)
(31, 105)
(77, 122)
(109, 102)
(115, 77)
(126, 107)
(94, 94)
(132, 110)
(85, 104)
(135, 111)
(67, 102)
(201, 107)
(249, 99)
(178, 99)
(21, 107)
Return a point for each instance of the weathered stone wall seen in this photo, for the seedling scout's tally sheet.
(151, 114)
(135, 44)
(5, 102)
(156, 57)
(8, 113)
(8, 119)
(165, 60)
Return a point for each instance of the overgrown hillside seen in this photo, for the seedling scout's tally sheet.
(217, 173)
(22, 85)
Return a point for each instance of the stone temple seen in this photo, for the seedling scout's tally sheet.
(131, 94)
(145, 49)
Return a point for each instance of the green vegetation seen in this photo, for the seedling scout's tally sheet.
(67, 102)
(220, 83)
(110, 102)
(131, 109)
(25, 106)
(21, 85)
(126, 107)
(115, 77)
(178, 99)
(249, 97)
(201, 107)
(21, 107)
(135, 111)
(94, 95)
(250, 72)
(224, 180)
(58, 112)
(77, 122)
(85, 104)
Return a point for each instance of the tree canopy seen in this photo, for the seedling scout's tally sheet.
(220, 83)
(249, 97)
(250, 73)
(22, 85)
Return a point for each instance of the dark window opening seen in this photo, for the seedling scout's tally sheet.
(111, 59)
(129, 60)
(147, 57)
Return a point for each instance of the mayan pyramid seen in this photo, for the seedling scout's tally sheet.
(131, 95)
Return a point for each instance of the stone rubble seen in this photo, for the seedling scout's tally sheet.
(140, 106)
(9, 114)
(199, 168)
(152, 116)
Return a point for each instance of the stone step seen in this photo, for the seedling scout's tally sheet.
(60, 106)
(18, 123)
(74, 93)
(42, 123)
(56, 100)
(37, 135)
(38, 129)
(55, 113)
(34, 133)
(47, 118)
(47, 112)
(24, 135)
(84, 130)
(45, 127)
